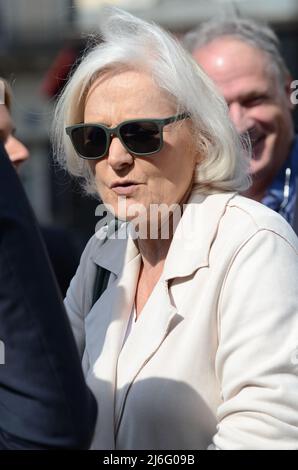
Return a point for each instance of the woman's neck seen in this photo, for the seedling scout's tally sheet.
(153, 251)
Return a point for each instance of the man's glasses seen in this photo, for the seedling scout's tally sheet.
(138, 136)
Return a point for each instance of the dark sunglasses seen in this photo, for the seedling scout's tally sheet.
(138, 136)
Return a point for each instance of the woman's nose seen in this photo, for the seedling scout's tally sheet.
(118, 156)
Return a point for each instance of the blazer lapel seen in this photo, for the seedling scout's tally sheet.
(105, 327)
(158, 318)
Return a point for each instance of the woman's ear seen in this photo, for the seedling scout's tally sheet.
(198, 157)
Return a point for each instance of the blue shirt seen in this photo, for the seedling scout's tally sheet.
(281, 195)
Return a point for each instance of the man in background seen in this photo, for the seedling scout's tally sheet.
(243, 58)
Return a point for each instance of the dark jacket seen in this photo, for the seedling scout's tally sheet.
(44, 401)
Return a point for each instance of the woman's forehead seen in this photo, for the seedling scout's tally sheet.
(127, 91)
(115, 82)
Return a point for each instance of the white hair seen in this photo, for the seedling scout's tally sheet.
(255, 33)
(131, 42)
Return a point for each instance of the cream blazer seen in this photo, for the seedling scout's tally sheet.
(212, 361)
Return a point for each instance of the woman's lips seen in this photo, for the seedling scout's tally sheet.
(125, 189)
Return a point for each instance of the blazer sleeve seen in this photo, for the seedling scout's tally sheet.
(44, 400)
(78, 298)
(257, 357)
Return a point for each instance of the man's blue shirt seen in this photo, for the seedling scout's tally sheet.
(281, 195)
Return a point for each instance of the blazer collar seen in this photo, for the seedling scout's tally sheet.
(116, 251)
(195, 233)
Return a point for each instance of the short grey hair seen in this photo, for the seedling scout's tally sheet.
(130, 42)
(250, 31)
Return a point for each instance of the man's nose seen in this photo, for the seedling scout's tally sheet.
(118, 156)
(240, 118)
(16, 150)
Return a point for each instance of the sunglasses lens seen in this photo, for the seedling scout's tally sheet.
(89, 141)
(141, 137)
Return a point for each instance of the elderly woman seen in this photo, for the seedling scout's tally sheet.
(192, 345)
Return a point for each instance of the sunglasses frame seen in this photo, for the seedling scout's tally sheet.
(115, 132)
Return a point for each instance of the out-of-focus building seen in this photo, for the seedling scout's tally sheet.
(31, 33)
(180, 15)
(35, 34)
